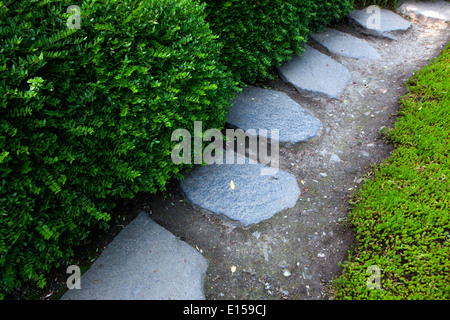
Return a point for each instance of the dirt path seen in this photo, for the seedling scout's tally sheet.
(295, 254)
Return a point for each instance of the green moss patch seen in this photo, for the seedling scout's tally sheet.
(402, 216)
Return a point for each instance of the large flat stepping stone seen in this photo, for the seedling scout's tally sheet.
(345, 45)
(315, 74)
(257, 108)
(429, 11)
(240, 191)
(389, 25)
(144, 262)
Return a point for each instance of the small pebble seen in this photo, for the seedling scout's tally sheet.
(334, 158)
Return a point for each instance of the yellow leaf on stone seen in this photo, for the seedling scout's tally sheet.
(303, 182)
(232, 186)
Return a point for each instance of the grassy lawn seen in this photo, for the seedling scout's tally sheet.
(402, 215)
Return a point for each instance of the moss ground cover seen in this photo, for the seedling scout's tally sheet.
(402, 215)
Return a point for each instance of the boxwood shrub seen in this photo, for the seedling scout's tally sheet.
(260, 34)
(326, 12)
(86, 116)
(257, 34)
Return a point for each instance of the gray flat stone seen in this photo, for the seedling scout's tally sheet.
(257, 108)
(426, 11)
(315, 74)
(255, 197)
(345, 45)
(144, 262)
(390, 23)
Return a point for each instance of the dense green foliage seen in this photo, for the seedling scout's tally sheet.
(257, 34)
(86, 116)
(326, 12)
(402, 216)
(260, 34)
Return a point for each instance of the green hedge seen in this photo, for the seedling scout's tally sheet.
(260, 34)
(402, 216)
(326, 12)
(86, 116)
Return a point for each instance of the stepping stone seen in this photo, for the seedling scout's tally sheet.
(257, 109)
(388, 26)
(144, 262)
(438, 10)
(345, 45)
(256, 197)
(315, 74)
